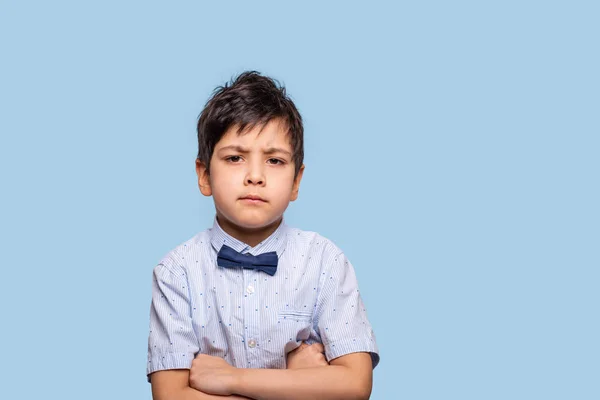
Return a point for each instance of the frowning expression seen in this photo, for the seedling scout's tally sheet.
(251, 176)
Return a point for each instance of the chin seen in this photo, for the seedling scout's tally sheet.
(251, 221)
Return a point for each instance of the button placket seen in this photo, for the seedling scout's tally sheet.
(252, 316)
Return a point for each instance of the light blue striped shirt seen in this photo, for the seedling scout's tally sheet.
(247, 317)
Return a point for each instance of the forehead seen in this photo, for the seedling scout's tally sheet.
(272, 134)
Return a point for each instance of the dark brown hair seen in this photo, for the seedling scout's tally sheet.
(247, 101)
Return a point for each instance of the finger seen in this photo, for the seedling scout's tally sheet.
(318, 347)
(302, 346)
(299, 348)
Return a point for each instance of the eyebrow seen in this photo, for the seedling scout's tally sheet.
(270, 150)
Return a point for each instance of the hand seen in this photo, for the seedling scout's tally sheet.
(306, 356)
(212, 375)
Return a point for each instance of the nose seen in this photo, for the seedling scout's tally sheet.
(255, 175)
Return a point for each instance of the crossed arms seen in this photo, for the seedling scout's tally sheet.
(308, 376)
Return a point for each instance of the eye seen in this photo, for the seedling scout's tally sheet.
(275, 161)
(233, 159)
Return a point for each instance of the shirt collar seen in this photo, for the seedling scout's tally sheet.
(275, 242)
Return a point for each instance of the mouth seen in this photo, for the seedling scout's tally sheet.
(253, 199)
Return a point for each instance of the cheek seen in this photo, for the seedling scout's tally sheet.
(225, 181)
(284, 190)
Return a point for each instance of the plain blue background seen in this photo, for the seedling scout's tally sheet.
(452, 151)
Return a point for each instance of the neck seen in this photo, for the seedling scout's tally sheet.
(251, 237)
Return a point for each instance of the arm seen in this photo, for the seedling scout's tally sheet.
(348, 377)
(174, 385)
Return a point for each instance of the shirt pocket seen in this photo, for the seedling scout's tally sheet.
(294, 315)
(294, 326)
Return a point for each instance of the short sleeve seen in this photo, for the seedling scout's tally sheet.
(340, 316)
(172, 342)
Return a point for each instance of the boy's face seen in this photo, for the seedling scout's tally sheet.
(254, 163)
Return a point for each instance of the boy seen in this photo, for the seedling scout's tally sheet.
(253, 308)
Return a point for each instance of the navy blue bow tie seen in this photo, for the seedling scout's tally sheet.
(229, 258)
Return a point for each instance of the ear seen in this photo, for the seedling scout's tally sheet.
(296, 185)
(203, 178)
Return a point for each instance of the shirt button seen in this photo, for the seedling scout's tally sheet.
(250, 289)
(252, 343)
